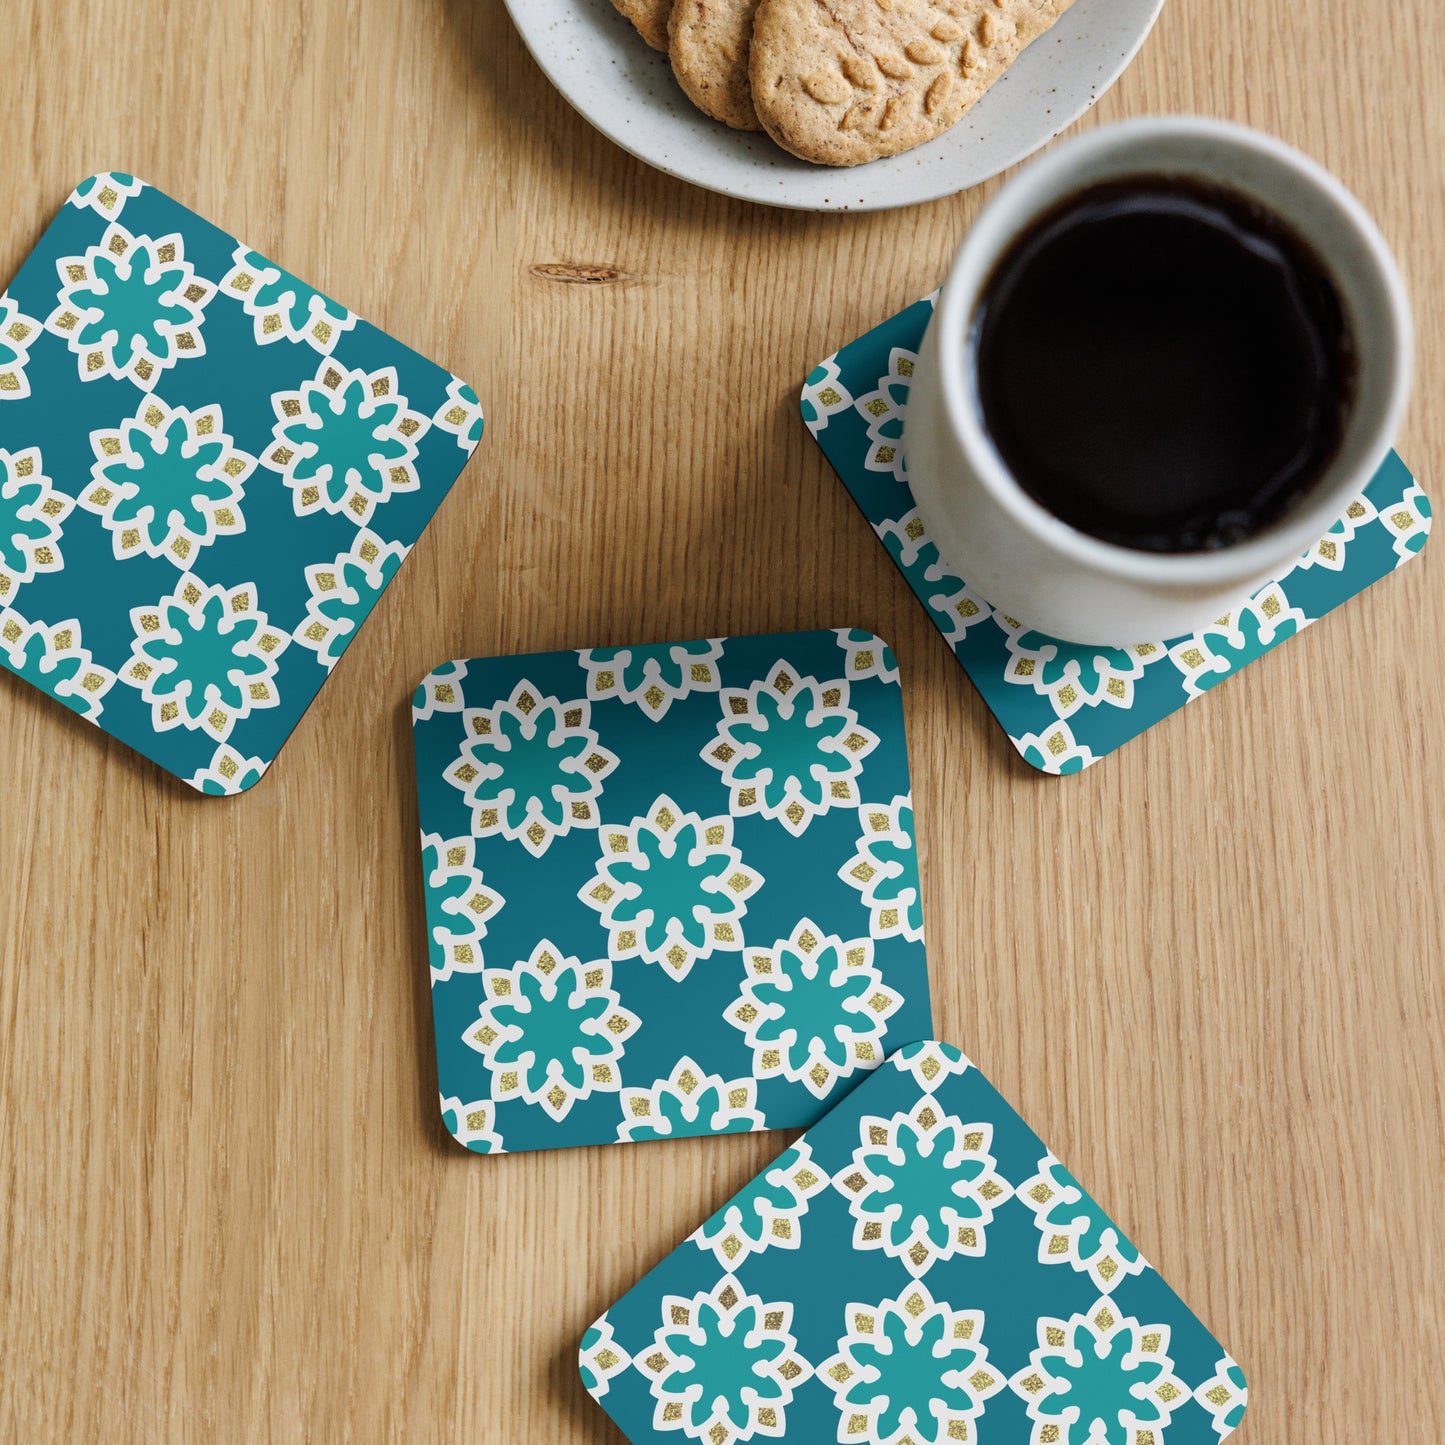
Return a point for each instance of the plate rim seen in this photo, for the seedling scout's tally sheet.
(517, 11)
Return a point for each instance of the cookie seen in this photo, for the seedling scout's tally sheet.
(852, 80)
(709, 44)
(650, 17)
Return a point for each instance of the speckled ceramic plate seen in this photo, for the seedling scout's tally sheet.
(596, 59)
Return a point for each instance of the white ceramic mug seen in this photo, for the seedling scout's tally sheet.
(1041, 570)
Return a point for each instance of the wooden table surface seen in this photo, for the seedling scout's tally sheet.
(1208, 971)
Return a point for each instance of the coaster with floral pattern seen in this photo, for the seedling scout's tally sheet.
(670, 890)
(209, 473)
(920, 1268)
(1065, 705)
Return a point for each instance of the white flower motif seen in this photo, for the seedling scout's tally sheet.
(204, 657)
(1054, 751)
(1073, 1230)
(885, 410)
(671, 888)
(789, 748)
(688, 1102)
(954, 606)
(910, 1371)
(824, 395)
(106, 193)
(229, 773)
(459, 905)
(930, 1063)
(1329, 551)
(652, 678)
(1408, 522)
(946, 1171)
(345, 442)
(461, 414)
(17, 332)
(343, 592)
(600, 1357)
(1073, 675)
(1226, 1396)
(473, 1126)
(531, 768)
(724, 1364)
(1236, 639)
(551, 1030)
(53, 658)
(31, 515)
(282, 306)
(768, 1213)
(1117, 1367)
(867, 655)
(131, 307)
(885, 870)
(167, 481)
(814, 1009)
(440, 691)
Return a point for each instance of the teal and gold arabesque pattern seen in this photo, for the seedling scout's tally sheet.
(1064, 705)
(671, 889)
(918, 1269)
(209, 472)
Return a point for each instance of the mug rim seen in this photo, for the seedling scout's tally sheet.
(1030, 194)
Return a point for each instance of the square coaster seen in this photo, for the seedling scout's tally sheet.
(670, 890)
(209, 473)
(1065, 705)
(918, 1267)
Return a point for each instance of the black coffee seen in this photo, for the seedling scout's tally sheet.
(1163, 364)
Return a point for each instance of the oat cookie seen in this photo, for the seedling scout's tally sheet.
(650, 17)
(840, 82)
(709, 47)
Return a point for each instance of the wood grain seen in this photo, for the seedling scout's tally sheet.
(1208, 971)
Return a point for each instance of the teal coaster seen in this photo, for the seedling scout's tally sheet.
(1064, 705)
(209, 473)
(917, 1268)
(670, 890)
